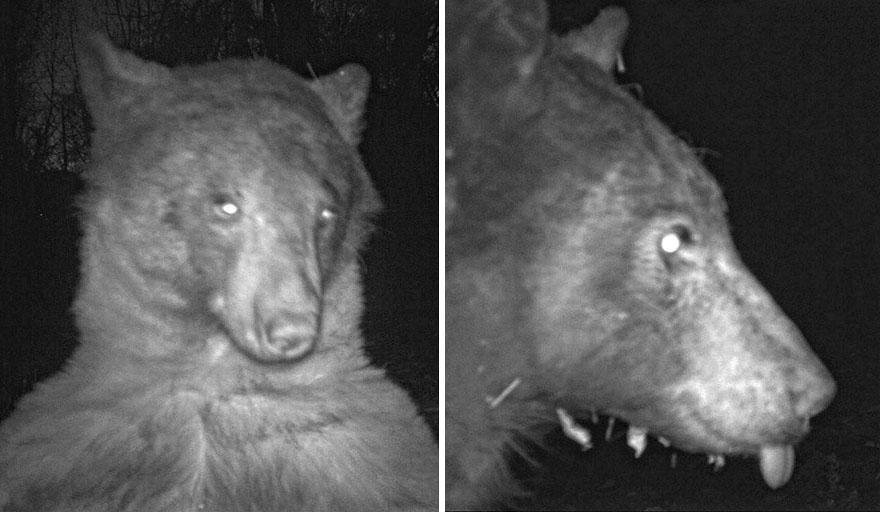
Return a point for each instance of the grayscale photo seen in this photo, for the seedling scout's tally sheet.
(221, 257)
(661, 241)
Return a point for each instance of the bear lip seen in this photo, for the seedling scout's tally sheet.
(776, 461)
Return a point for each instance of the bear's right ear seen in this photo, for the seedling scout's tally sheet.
(510, 38)
(345, 94)
(602, 40)
(494, 49)
(109, 77)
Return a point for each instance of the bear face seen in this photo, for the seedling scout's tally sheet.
(202, 217)
(220, 364)
(590, 265)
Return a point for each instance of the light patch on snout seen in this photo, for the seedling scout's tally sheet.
(269, 334)
(734, 392)
(269, 306)
(748, 368)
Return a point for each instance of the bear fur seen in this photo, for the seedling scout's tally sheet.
(589, 266)
(220, 366)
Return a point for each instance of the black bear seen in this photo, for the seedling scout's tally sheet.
(220, 366)
(590, 267)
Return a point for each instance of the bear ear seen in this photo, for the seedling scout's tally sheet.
(345, 94)
(109, 76)
(494, 50)
(602, 40)
(507, 39)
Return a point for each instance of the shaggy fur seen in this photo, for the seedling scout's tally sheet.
(220, 365)
(561, 288)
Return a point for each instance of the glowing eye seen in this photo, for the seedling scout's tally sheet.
(225, 208)
(228, 208)
(328, 215)
(677, 236)
(670, 242)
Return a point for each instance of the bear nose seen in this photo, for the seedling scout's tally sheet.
(812, 391)
(291, 335)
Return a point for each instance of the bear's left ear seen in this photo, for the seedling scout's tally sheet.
(345, 94)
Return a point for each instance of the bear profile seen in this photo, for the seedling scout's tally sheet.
(590, 268)
(220, 364)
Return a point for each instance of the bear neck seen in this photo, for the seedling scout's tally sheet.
(495, 399)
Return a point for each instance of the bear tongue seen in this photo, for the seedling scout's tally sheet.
(777, 464)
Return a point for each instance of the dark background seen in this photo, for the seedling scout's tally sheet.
(44, 141)
(785, 99)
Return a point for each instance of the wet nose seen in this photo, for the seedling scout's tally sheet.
(291, 335)
(813, 390)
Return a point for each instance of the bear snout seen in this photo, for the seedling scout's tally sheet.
(290, 335)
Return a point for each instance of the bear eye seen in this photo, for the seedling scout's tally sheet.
(672, 241)
(329, 210)
(224, 207)
(328, 215)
